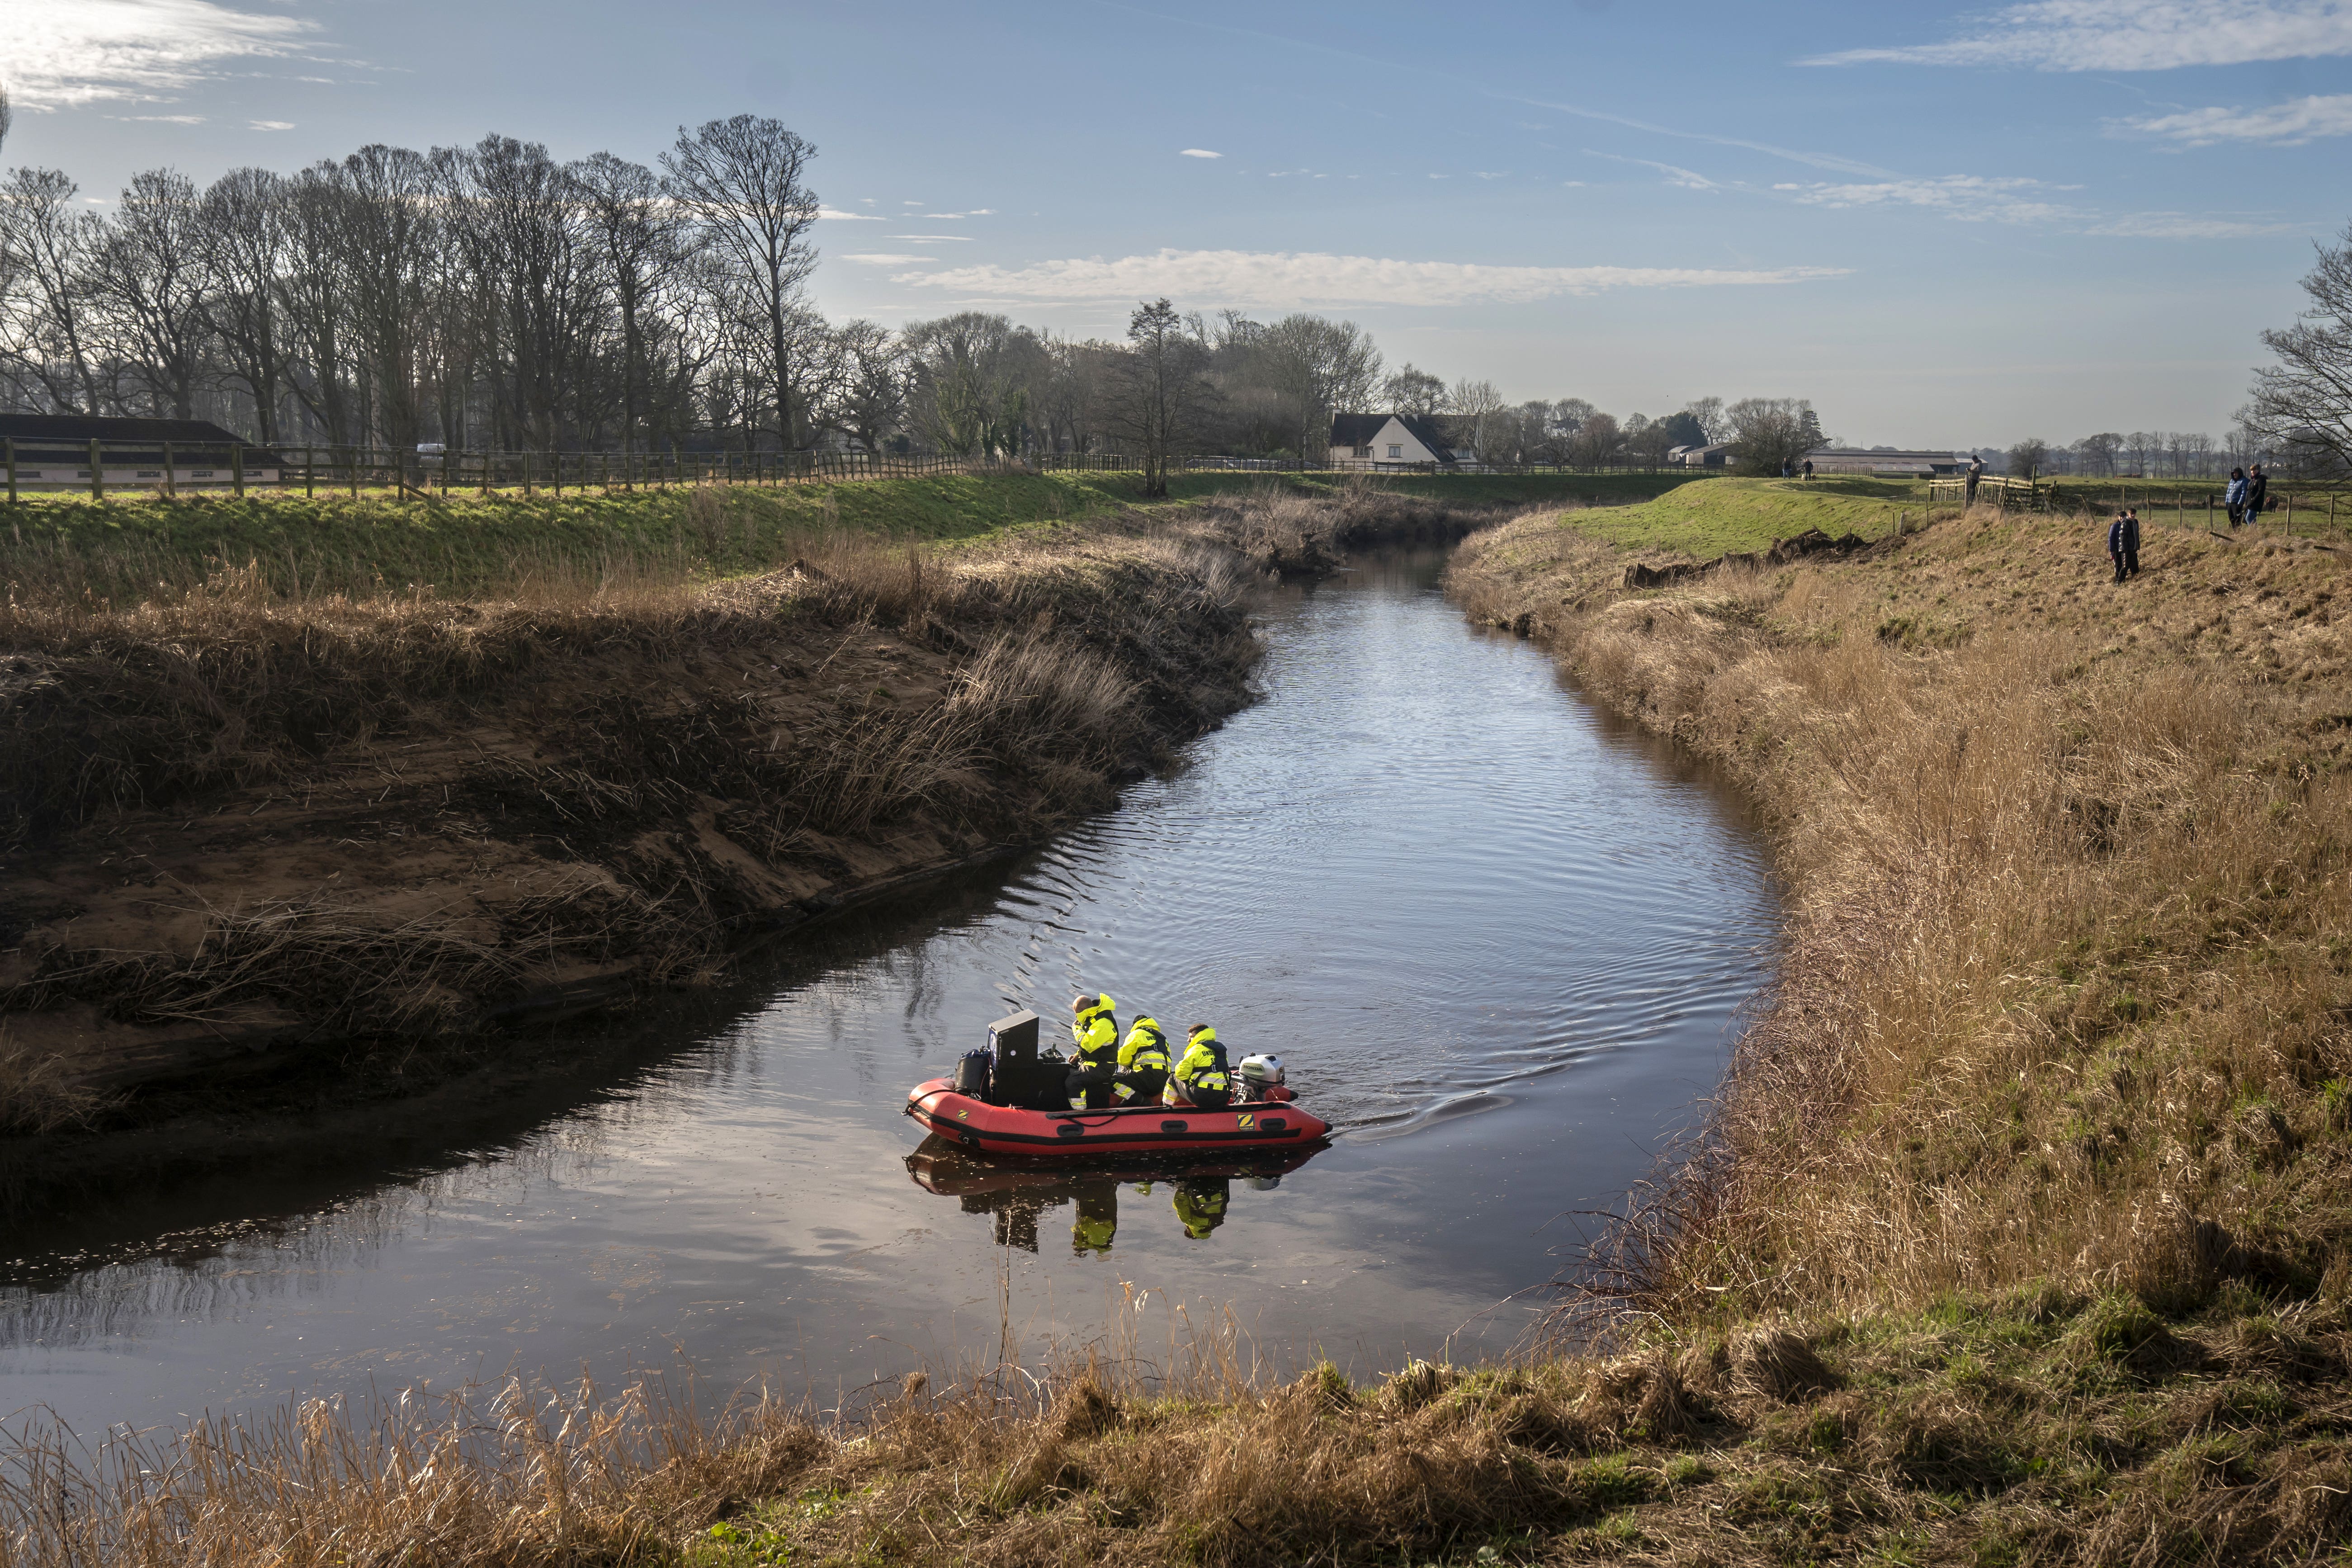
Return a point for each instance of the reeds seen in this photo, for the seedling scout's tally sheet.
(2062, 975)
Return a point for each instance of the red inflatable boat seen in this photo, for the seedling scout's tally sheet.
(1015, 1106)
(990, 1128)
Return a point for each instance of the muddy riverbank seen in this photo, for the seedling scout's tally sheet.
(273, 861)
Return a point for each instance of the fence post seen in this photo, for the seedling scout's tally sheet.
(170, 491)
(97, 475)
(12, 471)
(237, 468)
(309, 471)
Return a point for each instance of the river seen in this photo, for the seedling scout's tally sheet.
(1500, 940)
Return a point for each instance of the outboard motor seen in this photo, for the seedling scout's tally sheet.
(1262, 1077)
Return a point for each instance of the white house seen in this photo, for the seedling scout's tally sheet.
(1381, 440)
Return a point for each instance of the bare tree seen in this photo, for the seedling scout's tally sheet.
(1414, 391)
(2029, 457)
(243, 238)
(388, 235)
(1159, 389)
(2303, 403)
(1772, 434)
(1326, 366)
(1709, 413)
(1477, 408)
(970, 382)
(644, 247)
(867, 397)
(740, 180)
(47, 245)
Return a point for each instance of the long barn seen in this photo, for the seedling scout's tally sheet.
(53, 451)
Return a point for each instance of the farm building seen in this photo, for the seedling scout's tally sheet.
(47, 451)
(1381, 440)
(1718, 455)
(1884, 460)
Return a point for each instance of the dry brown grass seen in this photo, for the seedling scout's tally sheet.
(2066, 975)
(2033, 1428)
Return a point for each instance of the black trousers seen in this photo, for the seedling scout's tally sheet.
(1092, 1082)
(1143, 1086)
(1207, 1098)
(2126, 564)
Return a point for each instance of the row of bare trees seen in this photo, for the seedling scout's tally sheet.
(494, 297)
(2144, 454)
(484, 296)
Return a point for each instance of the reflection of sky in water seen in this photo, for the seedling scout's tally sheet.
(1496, 939)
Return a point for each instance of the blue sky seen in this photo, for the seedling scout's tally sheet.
(1943, 225)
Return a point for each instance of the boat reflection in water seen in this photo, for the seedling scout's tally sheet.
(1016, 1194)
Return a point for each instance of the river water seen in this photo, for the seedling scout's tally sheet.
(1499, 939)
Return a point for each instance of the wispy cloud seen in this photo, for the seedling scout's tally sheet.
(2289, 125)
(930, 237)
(1293, 279)
(270, 124)
(1199, 152)
(1972, 198)
(61, 55)
(850, 217)
(878, 259)
(1829, 161)
(2129, 36)
(1688, 179)
(158, 119)
(2185, 225)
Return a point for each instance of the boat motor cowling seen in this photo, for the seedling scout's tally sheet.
(1262, 1069)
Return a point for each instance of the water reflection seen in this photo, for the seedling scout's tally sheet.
(1014, 1195)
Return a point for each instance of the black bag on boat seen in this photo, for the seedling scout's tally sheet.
(971, 1075)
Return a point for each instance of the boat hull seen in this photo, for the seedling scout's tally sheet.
(982, 1128)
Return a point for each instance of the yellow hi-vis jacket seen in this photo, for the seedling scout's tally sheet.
(1083, 1022)
(1097, 1041)
(1197, 1068)
(1146, 1047)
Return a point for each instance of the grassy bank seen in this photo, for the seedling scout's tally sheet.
(125, 551)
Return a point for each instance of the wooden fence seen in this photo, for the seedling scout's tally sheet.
(99, 469)
(2300, 507)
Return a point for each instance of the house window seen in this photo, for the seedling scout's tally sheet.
(1363, 452)
(1396, 449)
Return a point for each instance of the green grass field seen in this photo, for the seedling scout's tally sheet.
(123, 549)
(1731, 514)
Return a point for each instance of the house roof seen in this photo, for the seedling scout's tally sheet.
(144, 434)
(1358, 429)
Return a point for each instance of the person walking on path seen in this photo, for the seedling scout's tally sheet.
(1976, 472)
(1809, 468)
(2122, 544)
(2258, 495)
(2233, 498)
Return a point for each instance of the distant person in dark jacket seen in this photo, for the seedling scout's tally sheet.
(2258, 494)
(1976, 472)
(2122, 544)
(2233, 498)
(1809, 468)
